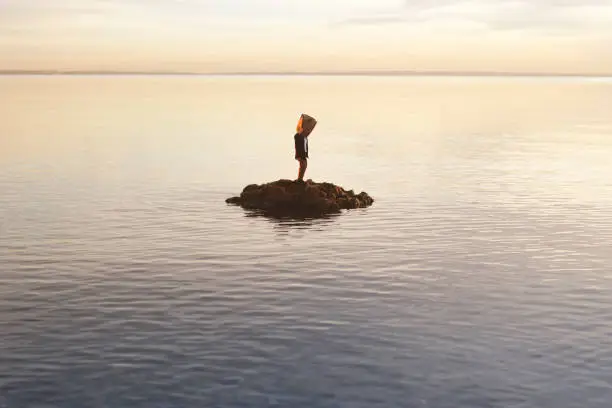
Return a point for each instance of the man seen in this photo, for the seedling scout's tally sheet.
(304, 127)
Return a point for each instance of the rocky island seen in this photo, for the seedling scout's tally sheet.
(287, 198)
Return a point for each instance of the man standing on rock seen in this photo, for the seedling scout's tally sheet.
(304, 127)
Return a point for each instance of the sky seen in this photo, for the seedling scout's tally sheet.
(540, 36)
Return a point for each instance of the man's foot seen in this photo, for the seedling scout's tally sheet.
(299, 181)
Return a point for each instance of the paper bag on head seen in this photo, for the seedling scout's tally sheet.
(306, 124)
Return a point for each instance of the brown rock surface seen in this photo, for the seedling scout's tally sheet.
(287, 197)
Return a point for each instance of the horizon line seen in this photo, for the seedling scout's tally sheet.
(50, 72)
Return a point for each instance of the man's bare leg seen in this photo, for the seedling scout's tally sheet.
(302, 169)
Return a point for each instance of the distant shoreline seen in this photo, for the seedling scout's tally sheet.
(306, 73)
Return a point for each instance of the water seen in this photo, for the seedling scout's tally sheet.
(480, 277)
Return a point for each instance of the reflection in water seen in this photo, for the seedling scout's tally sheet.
(284, 223)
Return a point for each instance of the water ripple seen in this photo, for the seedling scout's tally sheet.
(479, 278)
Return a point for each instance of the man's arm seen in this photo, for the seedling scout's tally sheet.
(300, 150)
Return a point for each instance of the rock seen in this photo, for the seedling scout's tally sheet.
(286, 197)
(233, 200)
(250, 187)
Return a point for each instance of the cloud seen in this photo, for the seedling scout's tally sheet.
(551, 17)
(338, 33)
(373, 20)
(554, 17)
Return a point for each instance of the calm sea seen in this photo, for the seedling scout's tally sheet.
(480, 277)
